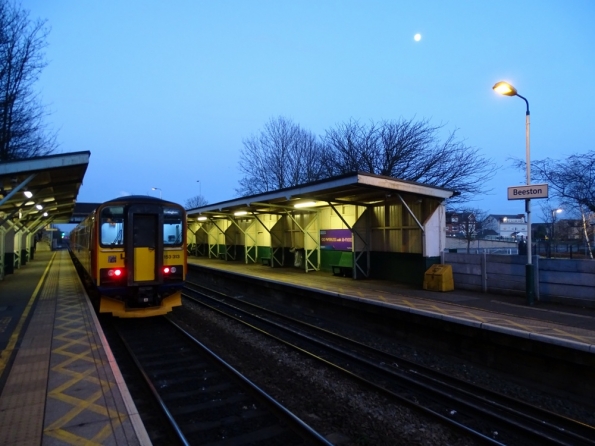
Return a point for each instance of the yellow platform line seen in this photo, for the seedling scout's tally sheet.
(7, 353)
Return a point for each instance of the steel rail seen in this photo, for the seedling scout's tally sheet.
(293, 423)
(519, 415)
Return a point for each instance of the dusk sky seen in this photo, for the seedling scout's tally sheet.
(163, 92)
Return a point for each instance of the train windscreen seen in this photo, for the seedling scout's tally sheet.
(172, 226)
(111, 222)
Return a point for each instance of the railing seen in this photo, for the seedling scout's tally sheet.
(561, 249)
(543, 248)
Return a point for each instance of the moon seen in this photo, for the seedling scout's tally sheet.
(417, 37)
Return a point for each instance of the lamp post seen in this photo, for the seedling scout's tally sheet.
(156, 188)
(506, 89)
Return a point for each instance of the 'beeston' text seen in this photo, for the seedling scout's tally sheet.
(527, 192)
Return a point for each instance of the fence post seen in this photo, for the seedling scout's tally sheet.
(536, 277)
(484, 273)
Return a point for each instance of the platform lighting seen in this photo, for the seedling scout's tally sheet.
(38, 206)
(201, 218)
(239, 213)
(45, 214)
(506, 89)
(156, 188)
(304, 204)
(28, 193)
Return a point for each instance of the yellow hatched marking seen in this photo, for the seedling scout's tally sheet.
(4, 323)
(73, 335)
(490, 318)
(6, 354)
(570, 335)
(69, 438)
(79, 407)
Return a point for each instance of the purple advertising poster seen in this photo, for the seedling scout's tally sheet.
(338, 239)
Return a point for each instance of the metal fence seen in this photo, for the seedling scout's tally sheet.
(542, 248)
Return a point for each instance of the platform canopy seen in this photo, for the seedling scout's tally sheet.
(362, 189)
(49, 182)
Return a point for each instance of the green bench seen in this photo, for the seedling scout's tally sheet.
(345, 266)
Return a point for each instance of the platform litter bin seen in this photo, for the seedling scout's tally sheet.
(439, 278)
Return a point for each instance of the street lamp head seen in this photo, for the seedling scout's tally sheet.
(505, 88)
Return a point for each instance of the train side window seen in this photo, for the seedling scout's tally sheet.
(172, 227)
(112, 226)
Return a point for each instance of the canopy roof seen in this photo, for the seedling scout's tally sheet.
(53, 182)
(357, 188)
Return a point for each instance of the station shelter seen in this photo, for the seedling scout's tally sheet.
(35, 193)
(359, 225)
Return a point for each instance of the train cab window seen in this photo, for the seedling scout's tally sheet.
(172, 227)
(111, 222)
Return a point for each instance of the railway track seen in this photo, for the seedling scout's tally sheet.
(486, 415)
(206, 400)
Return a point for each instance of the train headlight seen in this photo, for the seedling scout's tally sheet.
(169, 270)
(166, 270)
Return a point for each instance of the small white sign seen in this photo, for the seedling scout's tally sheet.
(525, 192)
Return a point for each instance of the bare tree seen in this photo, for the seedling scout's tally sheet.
(22, 130)
(571, 181)
(470, 220)
(195, 202)
(353, 147)
(283, 155)
(411, 151)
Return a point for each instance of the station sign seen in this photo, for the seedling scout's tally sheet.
(528, 192)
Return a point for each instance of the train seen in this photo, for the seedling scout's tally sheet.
(131, 251)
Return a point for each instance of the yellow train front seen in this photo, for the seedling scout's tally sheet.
(133, 250)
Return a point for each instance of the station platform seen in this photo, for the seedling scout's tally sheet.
(59, 383)
(566, 326)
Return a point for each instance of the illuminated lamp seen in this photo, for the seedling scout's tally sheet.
(305, 204)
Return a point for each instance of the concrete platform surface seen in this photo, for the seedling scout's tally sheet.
(59, 382)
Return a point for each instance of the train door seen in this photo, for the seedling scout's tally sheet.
(145, 253)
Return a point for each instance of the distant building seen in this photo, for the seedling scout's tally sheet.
(506, 226)
(458, 224)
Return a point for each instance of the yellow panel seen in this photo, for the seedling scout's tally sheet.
(144, 264)
(118, 309)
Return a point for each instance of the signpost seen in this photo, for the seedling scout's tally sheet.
(528, 192)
